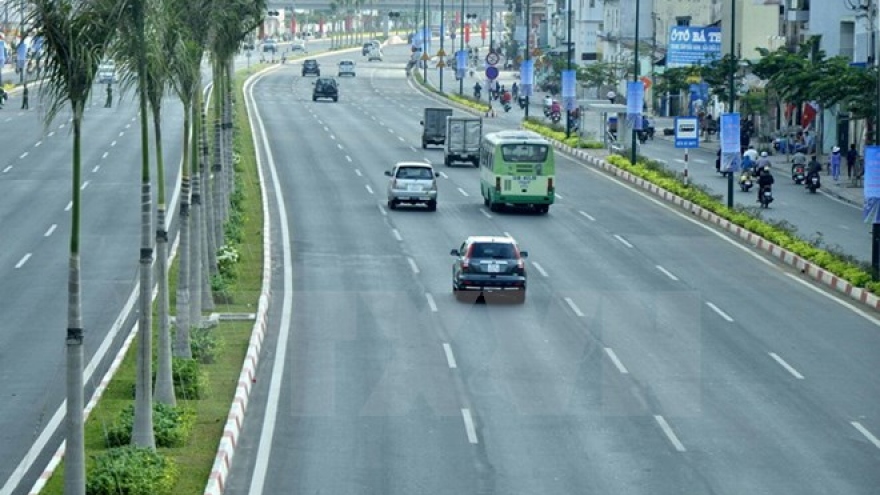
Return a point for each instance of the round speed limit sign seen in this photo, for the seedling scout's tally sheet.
(492, 58)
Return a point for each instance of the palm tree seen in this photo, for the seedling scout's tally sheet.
(132, 49)
(158, 70)
(75, 34)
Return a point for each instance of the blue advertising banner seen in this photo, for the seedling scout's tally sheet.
(690, 45)
(730, 133)
(21, 54)
(527, 77)
(569, 90)
(872, 185)
(461, 60)
(635, 100)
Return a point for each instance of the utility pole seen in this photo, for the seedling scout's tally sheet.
(426, 33)
(442, 33)
(527, 55)
(491, 26)
(634, 153)
(568, 66)
(731, 88)
(461, 49)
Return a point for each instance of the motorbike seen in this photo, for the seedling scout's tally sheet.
(643, 136)
(522, 102)
(546, 111)
(477, 93)
(746, 181)
(506, 106)
(555, 117)
(798, 174)
(813, 182)
(766, 196)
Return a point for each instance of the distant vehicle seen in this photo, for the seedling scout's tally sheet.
(310, 66)
(434, 126)
(375, 55)
(370, 45)
(269, 45)
(325, 87)
(486, 264)
(412, 183)
(106, 72)
(517, 168)
(298, 46)
(463, 136)
(346, 68)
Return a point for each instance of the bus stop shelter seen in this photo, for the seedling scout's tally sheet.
(612, 122)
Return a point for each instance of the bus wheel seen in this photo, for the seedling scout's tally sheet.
(543, 209)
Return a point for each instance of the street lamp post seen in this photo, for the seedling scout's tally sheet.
(634, 152)
(426, 32)
(732, 95)
(491, 26)
(461, 18)
(528, 50)
(568, 55)
(442, 29)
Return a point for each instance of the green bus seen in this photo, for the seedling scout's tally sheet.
(517, 168)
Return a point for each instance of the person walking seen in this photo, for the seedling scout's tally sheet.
(835, 163)
(109, 102)
(852, 156)
(24, 98)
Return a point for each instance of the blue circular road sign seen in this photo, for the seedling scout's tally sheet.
(492, 72)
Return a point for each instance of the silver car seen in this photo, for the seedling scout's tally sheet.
(412, 183)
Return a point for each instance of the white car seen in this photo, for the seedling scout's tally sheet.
(107, 72)
(375, 54)
(298, 46)
(412, 183)
(346, 68)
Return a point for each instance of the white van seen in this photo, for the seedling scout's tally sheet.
(106, 72)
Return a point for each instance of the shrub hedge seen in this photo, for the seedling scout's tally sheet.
(132, 471)
(171, 426)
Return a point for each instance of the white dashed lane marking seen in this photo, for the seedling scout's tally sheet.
(573, 306)
(431, 303)
(719, 312)
(469, 425)
(669, 433)
(787, 366)
(623, 241)
(666, 272)
(413, 266)
(867, 434)
(51, 229)
(369, 189)
(539, 268)
(611, 355)
(450, 358)
(23, 260)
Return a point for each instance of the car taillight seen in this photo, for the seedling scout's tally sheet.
(549, 185)
(520, 264)
(498, 184)
(465, 264)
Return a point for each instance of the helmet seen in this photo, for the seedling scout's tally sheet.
(763, 153)
(835, 149)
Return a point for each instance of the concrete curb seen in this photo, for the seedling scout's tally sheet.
(805, 267)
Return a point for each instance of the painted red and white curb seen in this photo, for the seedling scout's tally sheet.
(806, 267)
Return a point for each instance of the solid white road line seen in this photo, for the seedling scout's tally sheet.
(836, 299)
(620, 367)
(51, 229)
(864, 431)
(485, 213)
(669, 433)
(787, 366)
(369, 189)
(587, 215)
(412, 264)
(23, 155)
(469, 425)
(358, 172)
(23, 260)
(396, 234)
(463, 192)
(539, 268)
(718, 310)
(431, 303)
(450, 359)
(667, 273)
(623, 241)
(573, 306)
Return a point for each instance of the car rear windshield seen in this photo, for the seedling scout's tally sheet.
(524, 152)
(328, 84)
(496, 250)
(414, 173)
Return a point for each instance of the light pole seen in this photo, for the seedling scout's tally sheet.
(634, 153)
(528, 49)
(442, 29)
(461, 18)
(731, 88)
(491, 26)
(426, 32)
(568, 55)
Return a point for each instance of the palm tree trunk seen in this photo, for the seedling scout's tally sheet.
(164, 392)
(75, 453)
(142, 432)
(182, 322)
(195, 261)
(206, 302)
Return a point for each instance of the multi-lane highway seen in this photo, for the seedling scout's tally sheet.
(653, 355)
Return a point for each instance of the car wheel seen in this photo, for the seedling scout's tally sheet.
(424, 144)
(447, 161)
(476, 162)
(335, 99)
(543, 209)
(432, 205)
(392, 204)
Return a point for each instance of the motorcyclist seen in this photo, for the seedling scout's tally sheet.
(514, 89)
(548, 102)
(765, 180)
(798, 160)
(752, 153)
(477, 90)
(555, 109)
(506, 98)
(814, 168)
(763, 162)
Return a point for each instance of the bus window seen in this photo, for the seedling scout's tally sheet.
(524, 152)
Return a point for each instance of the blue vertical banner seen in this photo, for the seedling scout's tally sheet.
(872, 185)
(527, 77)
(569, 90)
(730, 144)
(460, 64)
(635, 101)
(21, 54)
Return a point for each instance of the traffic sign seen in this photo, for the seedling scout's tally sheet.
(441, 64)
(425, 57)
(687, 134)
(491, 72)
(493, 58)
(441, 53)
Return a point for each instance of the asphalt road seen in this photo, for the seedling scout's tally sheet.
(653, 355)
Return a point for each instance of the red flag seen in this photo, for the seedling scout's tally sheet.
(467, 33)
(293, 26)
(811, 109)
(483, 30)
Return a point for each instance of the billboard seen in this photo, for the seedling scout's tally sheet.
(690, 45)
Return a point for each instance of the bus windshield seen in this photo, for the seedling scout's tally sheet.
(524, 152)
